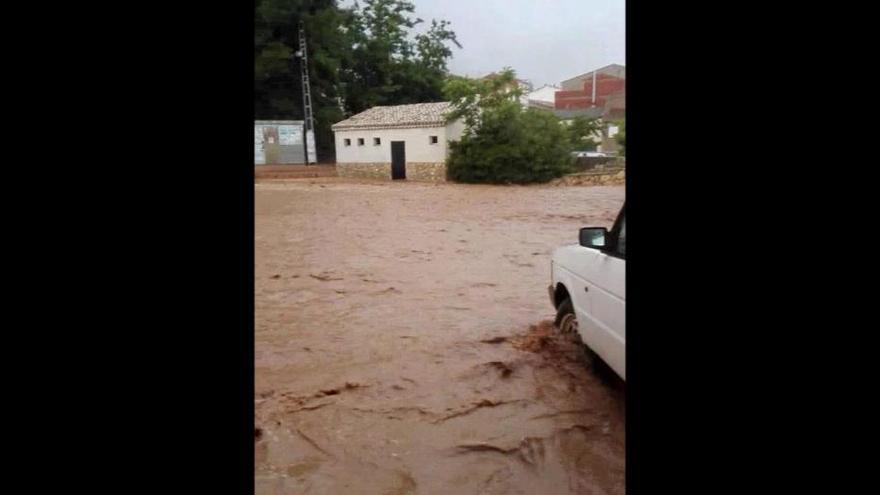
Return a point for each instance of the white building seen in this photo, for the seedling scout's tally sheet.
(396, 142)
(544, 94)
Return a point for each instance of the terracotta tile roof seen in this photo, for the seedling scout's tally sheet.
(398, 116)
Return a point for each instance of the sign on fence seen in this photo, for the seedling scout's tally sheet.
(289, 135)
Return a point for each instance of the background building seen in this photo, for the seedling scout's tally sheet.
(597, 94)
(579, 91)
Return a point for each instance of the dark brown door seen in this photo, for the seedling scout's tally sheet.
(398, 160)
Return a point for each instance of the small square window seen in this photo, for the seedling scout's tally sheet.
(377, 141)
(360, 141)
(348, 142)
(433, 139)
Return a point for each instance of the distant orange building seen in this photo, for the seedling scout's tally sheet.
(579, 93)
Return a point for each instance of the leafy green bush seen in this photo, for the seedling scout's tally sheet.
(582, 132)
(503, 143)
(621, 138)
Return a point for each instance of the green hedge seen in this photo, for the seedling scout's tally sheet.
(511, 146)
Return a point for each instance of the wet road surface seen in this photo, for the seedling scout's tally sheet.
(404, 342)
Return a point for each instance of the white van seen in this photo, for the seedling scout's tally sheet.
(588, 290)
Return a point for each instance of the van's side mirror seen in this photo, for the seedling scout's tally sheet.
(594, 237)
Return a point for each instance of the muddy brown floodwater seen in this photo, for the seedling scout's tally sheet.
(404, 342)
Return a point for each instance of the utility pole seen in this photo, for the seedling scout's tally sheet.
(308, 120)
(594, 88)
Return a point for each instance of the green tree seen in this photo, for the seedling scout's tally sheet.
(472, 97)
(502, 142)
(358, 58)
(390, 66)
(620, 137)
(582, 132)
(277, 83)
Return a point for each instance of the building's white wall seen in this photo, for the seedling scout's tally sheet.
(454, 130)
(546, 93)
(418, 145)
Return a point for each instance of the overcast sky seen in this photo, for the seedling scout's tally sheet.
(545, 41)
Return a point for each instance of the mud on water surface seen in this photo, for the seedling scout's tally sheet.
(404, 342)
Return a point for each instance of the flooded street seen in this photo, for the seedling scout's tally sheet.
(404, 342)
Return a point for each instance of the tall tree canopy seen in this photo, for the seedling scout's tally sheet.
(359, 57)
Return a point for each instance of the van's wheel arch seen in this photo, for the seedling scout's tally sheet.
(566, 321)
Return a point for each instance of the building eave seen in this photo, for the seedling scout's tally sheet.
(376, 127)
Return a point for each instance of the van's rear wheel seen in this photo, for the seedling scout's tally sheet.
(567, 323)
(566, 320)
